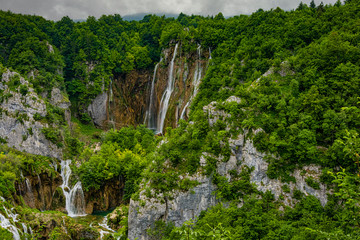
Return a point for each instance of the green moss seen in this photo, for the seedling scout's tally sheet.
(312, 183)
(285, 188)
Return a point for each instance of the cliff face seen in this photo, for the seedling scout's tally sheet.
(19, 127)
(108, 197)
(42, 192)
(188, 205)
(129, 100)
(188, 69)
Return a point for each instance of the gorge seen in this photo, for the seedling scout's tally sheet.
(192, 127)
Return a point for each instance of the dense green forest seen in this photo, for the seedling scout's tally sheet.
(296, 72)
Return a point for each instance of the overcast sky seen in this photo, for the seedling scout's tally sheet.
(81, 9)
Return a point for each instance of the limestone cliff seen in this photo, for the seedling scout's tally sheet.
(21, 109)
(188, 205)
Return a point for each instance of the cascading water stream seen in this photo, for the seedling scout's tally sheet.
(11, 226)
(74, 197)
(5, 223)
(164, 103)
(151, 113)
(196, 82)
(107, 227)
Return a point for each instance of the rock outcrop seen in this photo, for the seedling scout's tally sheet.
(108, 197)
(98, 109)
(18, 125)
(188, 205)
(42, 191)
(183, 206)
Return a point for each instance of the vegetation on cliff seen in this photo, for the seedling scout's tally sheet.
(296, 75)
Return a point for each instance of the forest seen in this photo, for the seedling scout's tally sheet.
(295, 75)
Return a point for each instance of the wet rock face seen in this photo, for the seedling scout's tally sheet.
(42, 192)
(108, 197)
(17, 124)
(128, 98)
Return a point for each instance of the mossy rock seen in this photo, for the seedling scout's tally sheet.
(58, 202)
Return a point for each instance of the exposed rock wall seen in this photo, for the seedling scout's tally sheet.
(188, 205)
(128, 98)
(17, 124)
(108, 197)
(183, 206)
(98, 109)
(42, 192)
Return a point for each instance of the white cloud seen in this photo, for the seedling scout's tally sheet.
(81, 9)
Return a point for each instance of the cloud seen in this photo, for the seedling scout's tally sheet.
(81, 9)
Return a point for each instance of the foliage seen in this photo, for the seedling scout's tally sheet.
(122, 156)
(52, 134)
(5, 234)
(14, 162)
(260, 219)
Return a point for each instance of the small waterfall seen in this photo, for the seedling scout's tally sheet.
(151, 113)
(41, 193)
(196, 81)
(111, 99)
(104, 225)
(182, 115)
(164, 103)
(75, 201)
(27, 230)
(28, 185)
(5, 223)
(209, 53)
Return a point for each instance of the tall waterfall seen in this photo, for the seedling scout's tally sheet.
(75, 201)
(196, 82)
(151, 113)
(164, 103)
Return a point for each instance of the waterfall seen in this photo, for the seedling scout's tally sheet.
(41, 193)
(111, 99)
(104, 225)
(151, 113)
(75, 201)
(182, 115)
(5, 223)
(27, 230)
(196, 82)
(164, 103)
(28, 185)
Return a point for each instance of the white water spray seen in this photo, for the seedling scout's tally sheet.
(75, 201)
(151, 113)
(196, 82)
(164, 103)
(5, 223)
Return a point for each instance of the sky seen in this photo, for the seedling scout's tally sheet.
(81, 9)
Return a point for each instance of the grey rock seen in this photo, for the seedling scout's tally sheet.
(184, 206)
(98, 109)
(247, 155)
(188, 205)
(17, 124)
(59, 99)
